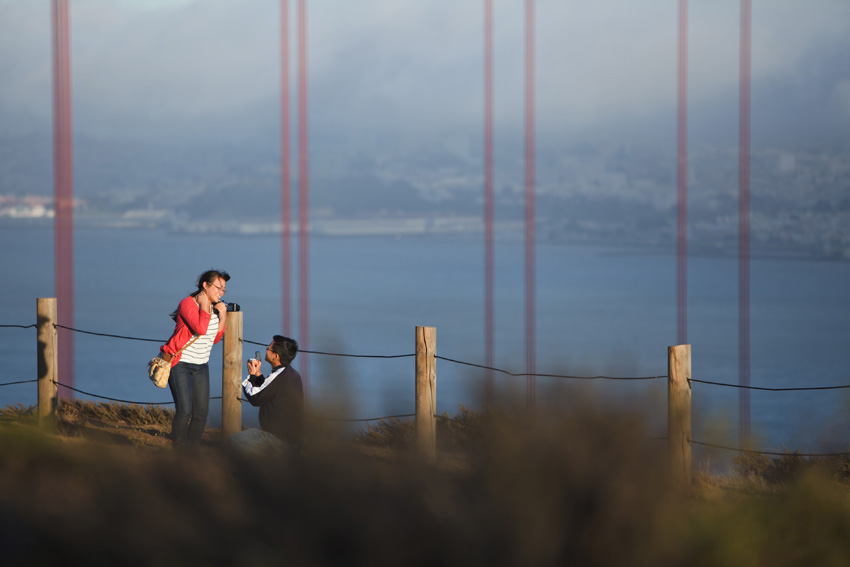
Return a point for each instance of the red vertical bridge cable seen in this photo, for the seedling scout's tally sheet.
(530, 303)
(303, 189)
(682, 180)
(744, 223)
(63, 182)
(286, 176)
(488, 200)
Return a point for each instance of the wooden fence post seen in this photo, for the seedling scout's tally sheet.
(426, 392)
(231, 377)
(48, 391)
(679, 410)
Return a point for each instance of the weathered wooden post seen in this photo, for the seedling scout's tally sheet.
(231, 377)
(48, 364)
(426, 392)
(679, 410)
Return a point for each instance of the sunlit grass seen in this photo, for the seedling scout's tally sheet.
(581, 488)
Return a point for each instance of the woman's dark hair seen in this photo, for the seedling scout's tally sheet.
(285, 348)
(210, 276)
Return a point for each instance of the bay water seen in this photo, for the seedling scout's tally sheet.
(600, 311)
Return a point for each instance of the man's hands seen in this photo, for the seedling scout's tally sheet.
(254, 367)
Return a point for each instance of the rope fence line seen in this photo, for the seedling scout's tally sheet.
(111, 399)
(359, 355)
(373, 356)
(768, 389)
(775, 453)
(460, 362)
(546, 375)
(346, 419)
(690, 381)
(212, 398)
(405, 415)
(446, 418)
(463, 363)
(18, 382)
(107, 334)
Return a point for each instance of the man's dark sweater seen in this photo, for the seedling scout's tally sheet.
(280, 398)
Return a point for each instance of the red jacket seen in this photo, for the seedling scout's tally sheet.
(191, 320)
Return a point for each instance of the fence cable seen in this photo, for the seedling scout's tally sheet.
(107, 334)
(316, 417)
(359, 355)
(460, 362)
(547, 375)
(379, 356)
(18, 382)
(119, 400)
(111, 399)
(768, 389)
(751, 451)
(690, 380)
(244, 341)
(365, 419)
(484, 367)
(516, 374)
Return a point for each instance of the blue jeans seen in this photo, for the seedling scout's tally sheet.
(190, 386)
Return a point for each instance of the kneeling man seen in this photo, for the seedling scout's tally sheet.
(280, 398)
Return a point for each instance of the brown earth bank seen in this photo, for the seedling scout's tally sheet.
(589, 487)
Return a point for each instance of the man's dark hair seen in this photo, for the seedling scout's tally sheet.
(285, 348)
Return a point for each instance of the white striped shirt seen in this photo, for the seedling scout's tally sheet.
(199, 351)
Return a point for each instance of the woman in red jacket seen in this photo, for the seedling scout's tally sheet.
(200, 322)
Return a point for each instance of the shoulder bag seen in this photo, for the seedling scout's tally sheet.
(159, 368)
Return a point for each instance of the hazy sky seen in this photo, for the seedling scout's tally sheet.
(145, 67)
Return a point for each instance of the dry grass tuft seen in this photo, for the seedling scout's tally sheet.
(456, 433)
(588, 487)
(82, 411)
(18, 414)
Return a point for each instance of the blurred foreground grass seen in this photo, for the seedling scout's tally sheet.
(508, 488)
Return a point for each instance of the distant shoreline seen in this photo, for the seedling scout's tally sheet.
(462, 227)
